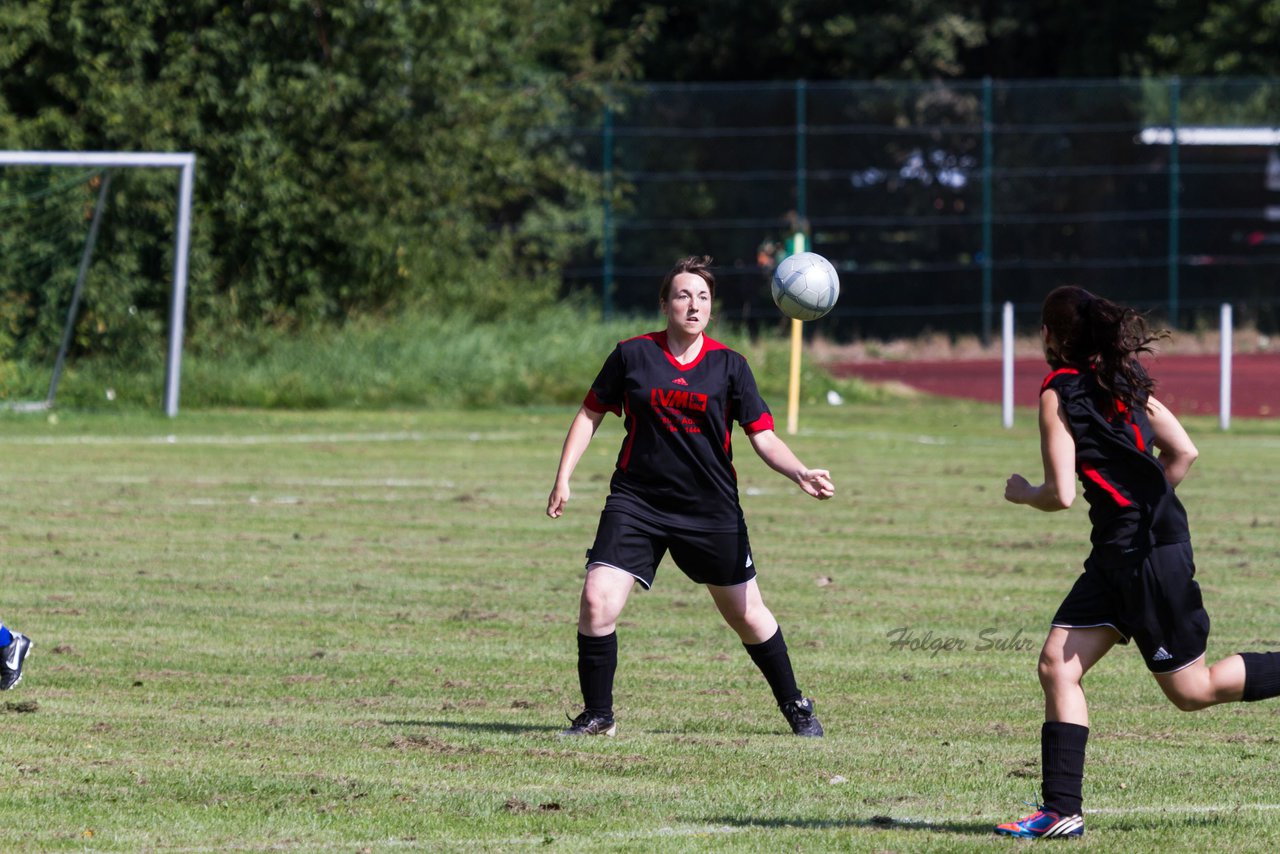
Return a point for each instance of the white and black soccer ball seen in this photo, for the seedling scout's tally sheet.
(805, 286)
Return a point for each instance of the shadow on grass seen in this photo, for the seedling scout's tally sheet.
(513, 729)
(878, 822)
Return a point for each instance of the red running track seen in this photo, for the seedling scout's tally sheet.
(1186, 384)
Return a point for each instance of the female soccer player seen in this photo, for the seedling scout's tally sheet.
(674, 490)
(1099, 420)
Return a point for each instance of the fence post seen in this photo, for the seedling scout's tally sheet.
(606, 247)
(988, 153)
(1175, 96)
(802, 132)
(1006, 365)
(1225, 346)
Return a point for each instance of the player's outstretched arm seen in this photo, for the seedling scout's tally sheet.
(581, 430)
(1058, 453)
(779, 457)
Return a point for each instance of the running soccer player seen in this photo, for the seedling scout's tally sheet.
(1099, 421)
(674, 490)
(14, 647)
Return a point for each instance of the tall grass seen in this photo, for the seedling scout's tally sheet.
(418, 360)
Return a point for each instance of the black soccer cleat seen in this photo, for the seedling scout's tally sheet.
(799, 714)
(590, 723)
(11, 658)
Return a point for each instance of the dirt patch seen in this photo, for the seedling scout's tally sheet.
(429, 744)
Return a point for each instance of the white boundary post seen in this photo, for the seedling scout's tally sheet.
(1225, 345)
(185, 162)
(1006, 365)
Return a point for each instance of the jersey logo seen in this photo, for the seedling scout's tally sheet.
(690, 401)
(748, 564)
(1162, 654)
(676, 410)
(679, 381)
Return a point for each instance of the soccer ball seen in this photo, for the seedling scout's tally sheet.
(805, 286)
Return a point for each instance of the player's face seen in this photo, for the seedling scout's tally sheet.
(688, 304)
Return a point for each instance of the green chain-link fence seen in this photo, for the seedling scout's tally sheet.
(937, 202)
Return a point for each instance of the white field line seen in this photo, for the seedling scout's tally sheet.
(284, 438)
(390, 483)
(404, 436)
(1183, 809)
(249, 480)
(270, 439)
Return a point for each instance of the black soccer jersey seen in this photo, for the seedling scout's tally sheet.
(676, 462)
(1131, 504)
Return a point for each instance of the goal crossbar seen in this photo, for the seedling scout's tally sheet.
(185, 163)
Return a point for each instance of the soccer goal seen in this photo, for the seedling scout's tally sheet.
(103, 162)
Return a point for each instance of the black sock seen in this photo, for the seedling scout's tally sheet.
(1261, 675)
(774, 662)
(597, 661)
(1062, 764)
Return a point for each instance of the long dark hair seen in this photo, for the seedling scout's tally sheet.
(1089, 332)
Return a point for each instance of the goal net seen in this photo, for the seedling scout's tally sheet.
(52, 207)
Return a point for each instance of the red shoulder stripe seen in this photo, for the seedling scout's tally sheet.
(1054, 375)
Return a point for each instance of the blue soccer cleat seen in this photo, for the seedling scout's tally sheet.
(11, 658)
(1044, 824)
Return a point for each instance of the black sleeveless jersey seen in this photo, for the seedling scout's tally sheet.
(1131, 505)
(676, 462)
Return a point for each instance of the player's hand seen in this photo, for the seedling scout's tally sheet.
(1016, 489)
(556, 501)
(816, 482)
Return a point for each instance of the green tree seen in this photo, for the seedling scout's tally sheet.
(353, 155)
(1212, 37)
(729, 40)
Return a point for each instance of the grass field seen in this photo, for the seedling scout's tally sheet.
(350, 631)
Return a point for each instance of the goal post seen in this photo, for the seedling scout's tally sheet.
(185, 163)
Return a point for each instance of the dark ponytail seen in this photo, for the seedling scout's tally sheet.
(1087, 331)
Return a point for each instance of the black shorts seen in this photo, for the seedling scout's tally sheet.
(1156, 603)
(636, 546)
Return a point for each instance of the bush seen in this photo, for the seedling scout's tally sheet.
(417, 359)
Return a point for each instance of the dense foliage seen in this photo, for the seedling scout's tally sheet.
(364, 157)
(931, 39)
(353, 156)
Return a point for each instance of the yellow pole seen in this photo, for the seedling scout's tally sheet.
(793, 387)
(797, 341)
